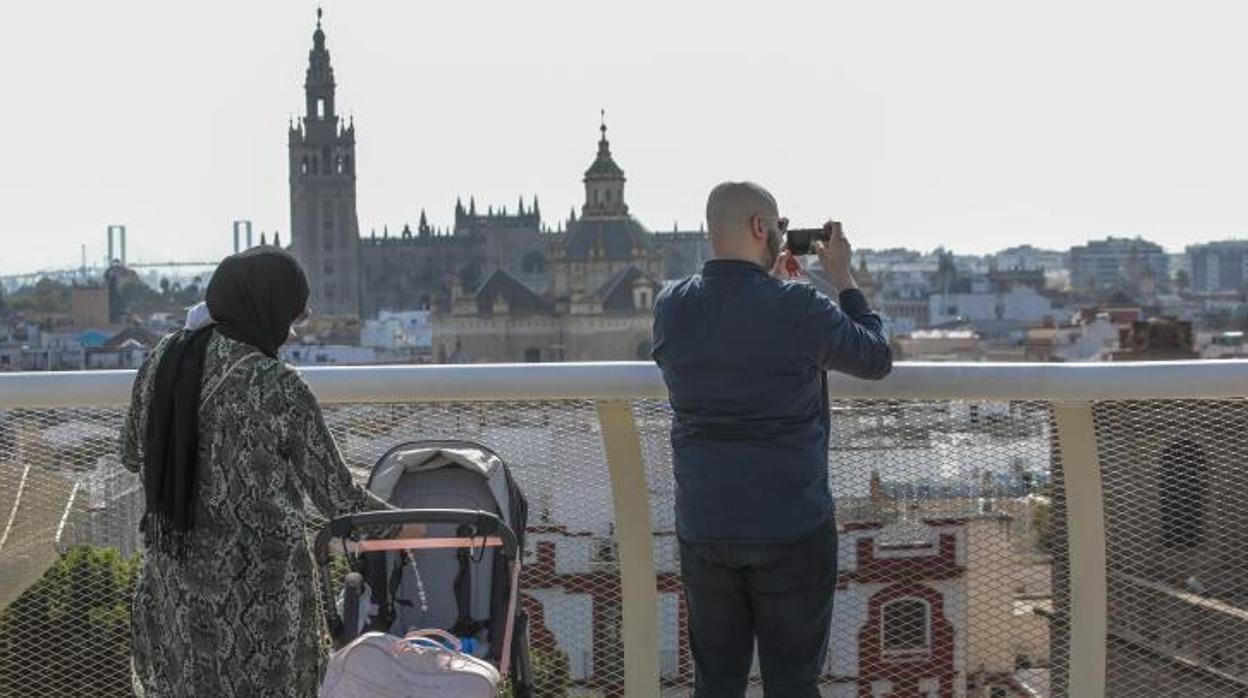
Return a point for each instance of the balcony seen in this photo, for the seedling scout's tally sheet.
(1006, 530)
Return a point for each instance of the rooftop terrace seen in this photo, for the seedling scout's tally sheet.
(1006, 530)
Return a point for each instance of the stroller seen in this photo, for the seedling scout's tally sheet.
(457, 584)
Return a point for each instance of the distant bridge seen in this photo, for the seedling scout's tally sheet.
(80, 273)
(116, 239)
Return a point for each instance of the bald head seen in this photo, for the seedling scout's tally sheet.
(729, 210)
(730, 206)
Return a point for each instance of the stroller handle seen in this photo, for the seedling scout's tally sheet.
(482, 524)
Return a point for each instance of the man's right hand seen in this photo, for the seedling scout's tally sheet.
(836, 258)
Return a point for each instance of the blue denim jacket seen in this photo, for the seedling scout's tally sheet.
(745, 357)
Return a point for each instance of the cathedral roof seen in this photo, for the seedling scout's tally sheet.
(617, 237)
(520, 298)
(617, 293)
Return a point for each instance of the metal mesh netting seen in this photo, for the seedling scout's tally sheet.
(67, 554)
(946, 550)
(951, 548)
(1175, 486)
(69, 543)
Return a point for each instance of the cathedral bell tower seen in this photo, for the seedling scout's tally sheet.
(324, 230)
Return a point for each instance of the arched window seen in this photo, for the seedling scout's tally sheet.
(303, 165)
(1184, 489)
(643, 297)
(320, 108)
(906, 626)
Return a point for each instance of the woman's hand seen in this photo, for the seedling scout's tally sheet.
(787, 266)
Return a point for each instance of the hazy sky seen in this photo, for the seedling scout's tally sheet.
(973, 125)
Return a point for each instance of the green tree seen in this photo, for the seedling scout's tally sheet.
(71, 629)
(1182, 280)
(552, 674)
(46, 296)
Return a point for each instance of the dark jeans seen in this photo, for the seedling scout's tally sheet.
(779, 593)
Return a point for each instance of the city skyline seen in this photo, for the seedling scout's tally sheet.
(930, 157)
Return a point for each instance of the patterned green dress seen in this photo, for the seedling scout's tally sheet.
(238, 615)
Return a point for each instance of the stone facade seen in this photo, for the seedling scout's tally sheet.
(603, 273)
(502, 285)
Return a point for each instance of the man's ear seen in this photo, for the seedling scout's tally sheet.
(757, 231)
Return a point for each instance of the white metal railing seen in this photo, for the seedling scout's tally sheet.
(636, 380)
(1070, 388)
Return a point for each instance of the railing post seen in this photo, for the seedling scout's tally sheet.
(1085, 534)
(638, 592)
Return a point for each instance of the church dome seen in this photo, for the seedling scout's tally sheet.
(604, 166)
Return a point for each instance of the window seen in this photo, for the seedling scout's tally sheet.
(602, 552)
(320, 108)
(303, 165)
(533, 355)
(643, 297)
(607, 193)
(329, 270)
(1184, 488)
(905, 626)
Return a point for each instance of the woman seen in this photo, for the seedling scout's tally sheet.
(230, 441)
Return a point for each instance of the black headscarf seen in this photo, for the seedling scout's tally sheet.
(253, 297)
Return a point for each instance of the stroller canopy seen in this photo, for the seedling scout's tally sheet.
(428, 456)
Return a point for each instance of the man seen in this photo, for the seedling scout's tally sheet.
(744, 354)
